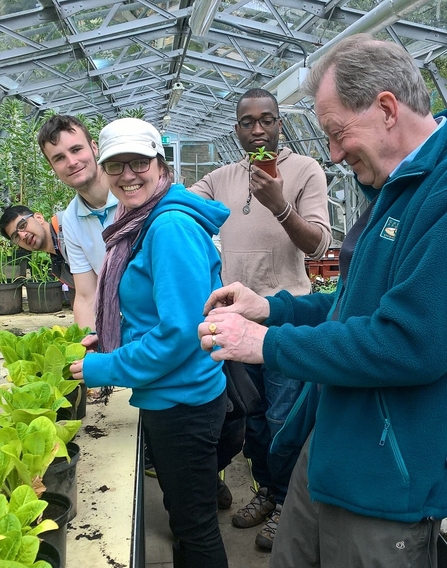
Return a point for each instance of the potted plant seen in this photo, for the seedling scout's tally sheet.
(264, 160)
(38, 366)
(43, 290)
(12, 271)
(13, 260)
(20, 527)
(40, 363)
(26, 454)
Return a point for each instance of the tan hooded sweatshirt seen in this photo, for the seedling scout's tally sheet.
(256, 250)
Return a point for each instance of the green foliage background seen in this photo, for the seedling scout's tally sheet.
(25, 175)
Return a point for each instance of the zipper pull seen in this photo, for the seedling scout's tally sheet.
(385, 432)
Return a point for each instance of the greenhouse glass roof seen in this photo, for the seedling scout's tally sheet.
(110, 57)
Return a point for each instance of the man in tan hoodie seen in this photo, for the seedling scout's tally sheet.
(274, 223)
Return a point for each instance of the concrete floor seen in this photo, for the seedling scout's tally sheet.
(239, 543)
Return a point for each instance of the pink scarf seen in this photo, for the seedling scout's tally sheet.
(119, 238)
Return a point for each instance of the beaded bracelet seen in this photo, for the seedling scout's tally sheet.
(287, 216)
(285, 210)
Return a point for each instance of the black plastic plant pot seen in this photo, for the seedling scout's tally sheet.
(61, 477)
(11, 298)
(49, 553)
(58, 510)
(44, 297)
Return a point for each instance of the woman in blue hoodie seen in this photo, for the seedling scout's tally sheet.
(160, 267)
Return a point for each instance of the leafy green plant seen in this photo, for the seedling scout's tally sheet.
(36, 357)
(38, 366)
(9, 262)
(35, 399)
(26, 452)
(26, 176)
(20, 527)
(261, 154)
(326, 286)
(40, 267)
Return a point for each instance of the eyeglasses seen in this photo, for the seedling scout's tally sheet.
(20, 227)
(137, 166)
(265, 122)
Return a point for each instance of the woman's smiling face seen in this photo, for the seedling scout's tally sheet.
(131, 188)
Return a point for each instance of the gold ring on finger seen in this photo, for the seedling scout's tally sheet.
(213, 340)
(212, 327)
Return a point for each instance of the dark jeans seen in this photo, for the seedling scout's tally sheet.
(278, 394)
(181, 442)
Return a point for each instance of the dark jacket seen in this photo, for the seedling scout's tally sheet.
(380, 443)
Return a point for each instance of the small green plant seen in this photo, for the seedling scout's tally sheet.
(9, 262)
(261, 154)
(19, 541)
(325, 286)
(40, 267)
(26, 452)
(38, 366)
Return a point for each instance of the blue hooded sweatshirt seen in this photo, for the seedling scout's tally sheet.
(379, 447)
(174, 268)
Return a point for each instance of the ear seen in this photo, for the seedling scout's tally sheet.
(389, 105)
(39, 218)
(236, 129)
(95, 148)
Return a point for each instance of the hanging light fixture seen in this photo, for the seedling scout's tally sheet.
(202, 16)
(166, 121)
(176, 93)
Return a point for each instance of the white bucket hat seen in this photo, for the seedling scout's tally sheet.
(129, 136)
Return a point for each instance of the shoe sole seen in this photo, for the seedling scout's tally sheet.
(263, 542)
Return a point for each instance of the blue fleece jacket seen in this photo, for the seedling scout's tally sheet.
(173, 270)
(380, 442)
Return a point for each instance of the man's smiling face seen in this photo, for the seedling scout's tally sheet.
(359, 138)
(73, 159)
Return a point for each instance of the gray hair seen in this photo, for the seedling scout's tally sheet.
(364, 67)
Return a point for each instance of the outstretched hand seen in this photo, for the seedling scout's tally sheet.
(76, 369)
(90, 341)
(237, 299)
(238, 339)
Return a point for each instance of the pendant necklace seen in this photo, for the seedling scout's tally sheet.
(246, 207)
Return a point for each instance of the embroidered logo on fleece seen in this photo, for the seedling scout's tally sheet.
(390, 229)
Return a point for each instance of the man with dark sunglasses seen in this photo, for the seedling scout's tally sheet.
(30, 231)
(274, 223)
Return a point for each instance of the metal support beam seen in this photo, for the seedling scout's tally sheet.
(385, 14)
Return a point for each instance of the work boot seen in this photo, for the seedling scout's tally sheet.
(264, 538)
(255, 512)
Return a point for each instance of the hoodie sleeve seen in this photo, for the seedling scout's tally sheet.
(181, 268)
